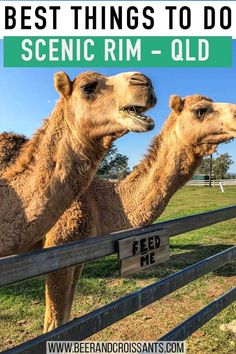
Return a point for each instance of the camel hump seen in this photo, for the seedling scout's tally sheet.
(10, 145)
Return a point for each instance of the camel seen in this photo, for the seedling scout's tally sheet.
(193, 129)
(57, 165)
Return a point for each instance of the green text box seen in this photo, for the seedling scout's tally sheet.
(118, 51)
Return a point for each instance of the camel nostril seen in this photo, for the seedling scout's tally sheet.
(140, 79)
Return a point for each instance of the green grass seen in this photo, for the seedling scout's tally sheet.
(22, 305)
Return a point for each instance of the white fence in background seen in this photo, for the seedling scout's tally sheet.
(214, 183)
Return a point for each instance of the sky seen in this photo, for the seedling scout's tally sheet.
(27, 96)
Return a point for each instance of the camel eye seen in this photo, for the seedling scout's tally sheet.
(89, 88)
(200, 112)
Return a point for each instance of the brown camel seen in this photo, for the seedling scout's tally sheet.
(57, 165)
(194, 128)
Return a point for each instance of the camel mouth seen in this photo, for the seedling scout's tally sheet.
(232, 134)
(136, 113)
(220, 138)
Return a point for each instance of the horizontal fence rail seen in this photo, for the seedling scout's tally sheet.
(214, 182)
(186, 328)
(95, 321)
(25, 266)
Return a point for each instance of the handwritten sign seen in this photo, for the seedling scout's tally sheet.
(141, 252)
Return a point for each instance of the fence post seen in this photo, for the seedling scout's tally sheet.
(221, 187)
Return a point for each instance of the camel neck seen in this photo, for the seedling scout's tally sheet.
(148, 189)
(58, 155)
(51, 171)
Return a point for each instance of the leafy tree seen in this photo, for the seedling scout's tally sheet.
(220, 165)
(204, 167)
(114, 164)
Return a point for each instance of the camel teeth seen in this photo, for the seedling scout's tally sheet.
(132, 111)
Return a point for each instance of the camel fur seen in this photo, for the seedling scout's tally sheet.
(57, 165)
(193, 129)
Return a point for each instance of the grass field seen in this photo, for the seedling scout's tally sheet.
(22, 305)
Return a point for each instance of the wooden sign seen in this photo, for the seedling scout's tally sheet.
(141, 252)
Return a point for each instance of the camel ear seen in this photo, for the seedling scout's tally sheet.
(176, 103)
(63, 84)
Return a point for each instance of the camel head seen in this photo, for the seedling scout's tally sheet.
(203, 124)
(102, 106)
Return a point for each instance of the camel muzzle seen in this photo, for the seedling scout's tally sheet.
(139, 79)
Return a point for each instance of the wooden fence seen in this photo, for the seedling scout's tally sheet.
(214, 183)
(16, 268)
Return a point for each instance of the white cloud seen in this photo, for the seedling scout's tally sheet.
(53, 101)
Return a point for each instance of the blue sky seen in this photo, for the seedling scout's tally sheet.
(27, 96)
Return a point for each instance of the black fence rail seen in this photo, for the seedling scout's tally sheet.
(29, 265)
(186, 328)
(13, 269)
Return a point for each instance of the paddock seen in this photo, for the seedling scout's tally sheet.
(22, 267)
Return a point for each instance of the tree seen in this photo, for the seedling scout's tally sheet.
(220, 165)
(205, 166)
(114, 164)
